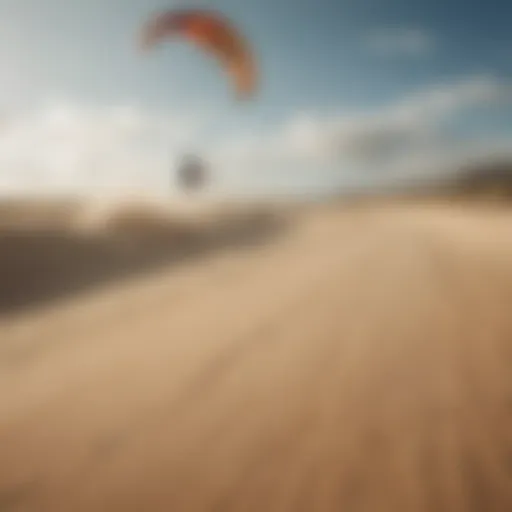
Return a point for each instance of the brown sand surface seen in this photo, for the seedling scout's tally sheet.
(355, 359)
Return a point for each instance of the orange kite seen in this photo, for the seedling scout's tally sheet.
(213, 33)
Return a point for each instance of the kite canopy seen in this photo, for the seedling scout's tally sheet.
(213, 33)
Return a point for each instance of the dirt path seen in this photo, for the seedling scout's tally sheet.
(360, 363)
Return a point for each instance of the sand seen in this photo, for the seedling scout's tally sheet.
(350, 358)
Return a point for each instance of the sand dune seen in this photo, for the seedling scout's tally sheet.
(353, 358)
(49, 249)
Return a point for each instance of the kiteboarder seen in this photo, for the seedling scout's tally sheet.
(191, 172)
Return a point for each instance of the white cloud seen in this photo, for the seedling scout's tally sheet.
(414, 121)
(67, 146)
(403, 137)
(399, 41)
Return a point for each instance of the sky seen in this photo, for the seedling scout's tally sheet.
(352, 92)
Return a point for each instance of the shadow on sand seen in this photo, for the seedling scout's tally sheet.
(41, 265)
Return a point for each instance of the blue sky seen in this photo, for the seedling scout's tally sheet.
(318, 59)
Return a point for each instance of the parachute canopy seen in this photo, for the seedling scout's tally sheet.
(213, 33)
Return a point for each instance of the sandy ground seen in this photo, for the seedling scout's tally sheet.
(356, 359)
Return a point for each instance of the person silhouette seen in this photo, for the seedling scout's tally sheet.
(191, 172)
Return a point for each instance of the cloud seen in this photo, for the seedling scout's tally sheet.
(407, 136)
(399, 41)
(64, 145)
(68, 146)
(414, 121)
